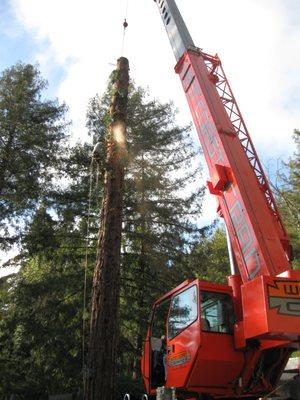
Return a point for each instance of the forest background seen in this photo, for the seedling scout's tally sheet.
(49, 208)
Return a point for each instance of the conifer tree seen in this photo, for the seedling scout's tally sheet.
(159, 211)
(288, 193)
(209, 258)
(32, 131)
(41, 307)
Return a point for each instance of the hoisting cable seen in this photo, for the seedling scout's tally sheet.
(86, 268)
(125, 25)
(95, 159)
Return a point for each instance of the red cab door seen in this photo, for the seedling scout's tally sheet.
(183, 335)
(153, 359)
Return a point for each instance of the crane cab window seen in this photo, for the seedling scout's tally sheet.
(158, 344)
(159, 319)
(217, 314)
(183, 311)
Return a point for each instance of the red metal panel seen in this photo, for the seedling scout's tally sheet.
(146, 362)
(183, 349)
(272, 308)
(217, 364)
(256, 242)
(182, 357)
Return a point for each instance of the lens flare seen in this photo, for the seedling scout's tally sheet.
(118, 130)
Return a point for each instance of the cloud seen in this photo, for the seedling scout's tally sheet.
(256, 39)
(258, 42)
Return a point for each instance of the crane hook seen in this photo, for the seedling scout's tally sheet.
(125, 24)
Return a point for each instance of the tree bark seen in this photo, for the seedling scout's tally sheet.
(100, 382)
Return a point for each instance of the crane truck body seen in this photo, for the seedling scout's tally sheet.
(234, 340)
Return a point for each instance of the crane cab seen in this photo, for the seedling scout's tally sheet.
(190, 339)
(197, 340)
(229, 341)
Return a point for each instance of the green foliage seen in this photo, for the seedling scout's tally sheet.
(42, 306)
(32, 135)
(288, 193)
(209, 259)
(41, 329)
(40, 235)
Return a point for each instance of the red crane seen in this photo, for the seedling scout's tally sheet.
(226, 340)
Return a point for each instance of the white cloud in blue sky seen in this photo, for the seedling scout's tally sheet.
(14, 43)
(76, 42)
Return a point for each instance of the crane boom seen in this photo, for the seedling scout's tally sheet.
(177, 31)
(225, 341)
(259, 240)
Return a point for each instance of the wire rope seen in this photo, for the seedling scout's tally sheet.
(85, 269)
(125, 25)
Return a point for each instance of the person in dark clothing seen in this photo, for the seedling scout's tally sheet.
(164, 355)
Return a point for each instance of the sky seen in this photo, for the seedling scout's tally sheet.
(77, 42)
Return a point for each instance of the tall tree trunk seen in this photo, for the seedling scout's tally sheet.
(100, 380)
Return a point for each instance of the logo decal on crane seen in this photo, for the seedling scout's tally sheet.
(179, 359)
(285, 296)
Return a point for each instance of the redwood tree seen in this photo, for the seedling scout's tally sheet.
(101, 372)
